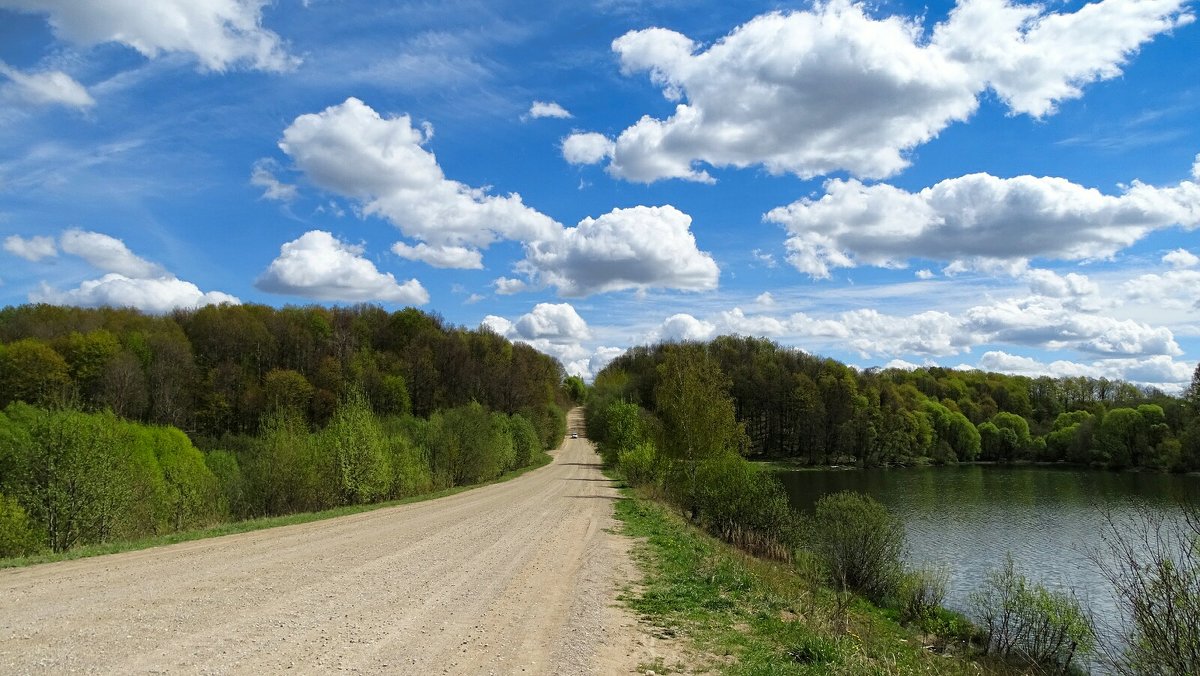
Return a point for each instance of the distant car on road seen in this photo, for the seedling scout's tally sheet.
(574, 435)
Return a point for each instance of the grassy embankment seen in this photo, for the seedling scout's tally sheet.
(248, 525)
(755, 616)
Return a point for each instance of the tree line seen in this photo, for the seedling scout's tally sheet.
(816, 411)
(218, 369)
(119, 425)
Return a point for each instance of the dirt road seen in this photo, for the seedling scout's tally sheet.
(518, 577)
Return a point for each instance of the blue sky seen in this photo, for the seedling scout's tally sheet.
(987, 184)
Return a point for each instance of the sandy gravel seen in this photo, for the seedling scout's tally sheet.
(514, 578)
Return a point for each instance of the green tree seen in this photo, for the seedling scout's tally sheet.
(284, 388)
(356, 440)
(33, 372)
(1192, 394)
(697, 414)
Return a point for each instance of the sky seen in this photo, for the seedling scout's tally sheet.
(987, 184)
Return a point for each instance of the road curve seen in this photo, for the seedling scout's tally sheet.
(518, 577)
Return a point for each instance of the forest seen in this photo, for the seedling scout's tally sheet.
(118, 424)
(810, 410)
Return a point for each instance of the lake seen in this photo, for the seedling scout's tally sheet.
(966, 517)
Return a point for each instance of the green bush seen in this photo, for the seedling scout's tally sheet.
(526, 445)
(640, 465)
(860, 543)
(745, 505)
(19, 536)
(354, 438)
(921, 593)
(410, 473)
(1028, 622)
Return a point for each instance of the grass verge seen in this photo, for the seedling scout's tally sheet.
(753, 616)
(253, 524)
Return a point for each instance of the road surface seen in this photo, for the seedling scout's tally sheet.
(514, 578)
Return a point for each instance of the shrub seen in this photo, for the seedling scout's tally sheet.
(1029, 622)
(746, 506)
(639, 464)
(526, 445)
(859, 542)
(921, 592)
(18, 534)
(1152, 562)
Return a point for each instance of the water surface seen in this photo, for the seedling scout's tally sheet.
(965, 518)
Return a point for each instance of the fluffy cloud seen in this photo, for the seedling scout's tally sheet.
(1075, 290)
(1033, 59)
(458, 257)
(832, 88)
(507, 287)
(587, 148)
(381, 162)
(683, 326)
(541, 109)
(1181, 258)
(220, 33)
(263, 176)
(156, 295)
(108, 254)
(1158, 371)
(131, 281)
(975, 218)
(351, 150)
(556, 322)
(636, 248)
(32, 249)
(321, 267)
(1177, 289)
(52, 87)
(556, 329)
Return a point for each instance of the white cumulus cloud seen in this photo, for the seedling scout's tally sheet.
(835, 88)
(108, 254)
(586, 148)
(221, 34)
(974, 220)
(154, 295)
(31, 249)
(636, 248)
(380, 161)
(1181, 258)
(319, 266)
(556, 329)
(683, 326)
(131, 281)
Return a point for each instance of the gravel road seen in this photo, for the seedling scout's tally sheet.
(513, 578)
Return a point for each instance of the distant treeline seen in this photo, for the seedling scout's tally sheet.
(217, 370)
(291, 410)
(814, 410)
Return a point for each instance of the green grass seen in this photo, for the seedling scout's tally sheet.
(251, 524)
(752, 616)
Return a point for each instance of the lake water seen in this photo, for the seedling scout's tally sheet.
(965, 518)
